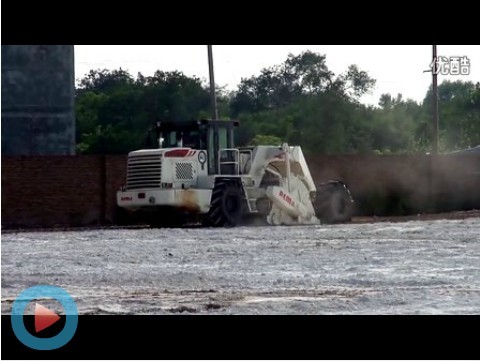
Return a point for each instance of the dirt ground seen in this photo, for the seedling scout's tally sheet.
(420, 217)
(395, 266)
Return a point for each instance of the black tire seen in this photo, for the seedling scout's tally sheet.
(334, 204)
(227, 205)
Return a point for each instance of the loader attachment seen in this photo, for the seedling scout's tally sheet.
(291, 200)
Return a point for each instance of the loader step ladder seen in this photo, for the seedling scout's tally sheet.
(252, 205)
(246, 157)
(228, 161)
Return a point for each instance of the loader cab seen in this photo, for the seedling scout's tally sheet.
(214, 136)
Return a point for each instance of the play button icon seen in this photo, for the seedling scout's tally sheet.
(44, 317)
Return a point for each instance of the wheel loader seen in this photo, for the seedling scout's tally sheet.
(197, 175)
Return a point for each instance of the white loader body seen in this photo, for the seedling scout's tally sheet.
(178, 178)
(197, 174)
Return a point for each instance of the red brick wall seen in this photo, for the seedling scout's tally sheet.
(50, 190)
(80, 190)
(116, 172)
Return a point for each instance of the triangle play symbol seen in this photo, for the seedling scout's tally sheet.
(44, 317)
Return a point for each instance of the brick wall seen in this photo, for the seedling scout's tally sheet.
(116, 172)
(45, 191)
(401, 185)
(51, 190)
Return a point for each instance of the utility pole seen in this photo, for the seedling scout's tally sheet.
(212, 84)
(435, 101)
(432, 160)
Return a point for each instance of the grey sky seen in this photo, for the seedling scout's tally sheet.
(397, 68)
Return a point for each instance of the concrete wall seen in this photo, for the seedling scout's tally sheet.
(38, 100)
(43, 191)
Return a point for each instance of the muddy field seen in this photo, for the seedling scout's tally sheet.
(427, 267)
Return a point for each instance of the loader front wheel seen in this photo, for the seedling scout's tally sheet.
(226, 206)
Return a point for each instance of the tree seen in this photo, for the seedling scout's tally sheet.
(303, 102)
(387, 102)
(103, 81)
(355, 82)
(260, 139)
(459, 114)
(279, 85)
(299, 101)
(114, 111)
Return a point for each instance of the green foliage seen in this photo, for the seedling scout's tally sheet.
(299, 76)
(299, 101)
(459, 114)
(115, 111)
(260, 139)
(103, 81)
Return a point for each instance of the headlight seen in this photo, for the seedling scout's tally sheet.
(202, 157)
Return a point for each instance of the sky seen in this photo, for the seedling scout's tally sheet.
(397, 68)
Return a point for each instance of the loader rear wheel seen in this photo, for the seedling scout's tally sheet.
(226, 206)
(334, 204)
